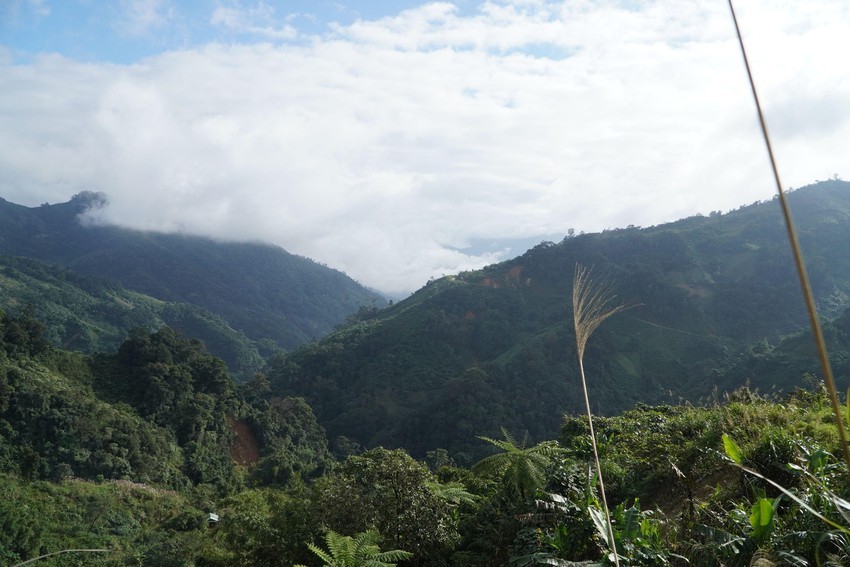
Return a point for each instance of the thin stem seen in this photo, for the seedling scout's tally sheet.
(608, 522)
(814, 320)
(46, 555)
(591, 307)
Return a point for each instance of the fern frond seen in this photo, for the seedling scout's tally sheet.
(320, 553)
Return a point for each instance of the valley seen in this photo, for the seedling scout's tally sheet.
(135, 400)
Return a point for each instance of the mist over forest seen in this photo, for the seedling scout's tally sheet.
(168, 399)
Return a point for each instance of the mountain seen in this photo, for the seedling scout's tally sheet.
(260, 290)
(470, 353)
(89, 314)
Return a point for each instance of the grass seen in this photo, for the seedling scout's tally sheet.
(591, 307)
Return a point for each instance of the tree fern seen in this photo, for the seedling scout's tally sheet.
(521, 468)
(362, 550)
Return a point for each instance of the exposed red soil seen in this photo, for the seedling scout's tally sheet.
(245, 450)
(511, 278)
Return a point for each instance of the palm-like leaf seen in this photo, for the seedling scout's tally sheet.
(362, 550)
(453, 492)
(325, 557)
(520, 468)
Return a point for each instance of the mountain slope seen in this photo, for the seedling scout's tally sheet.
(470, 353)
(258, 289)
(160, 410)
(90, 314)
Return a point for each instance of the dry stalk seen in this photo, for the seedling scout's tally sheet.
(802, 273)
(591, 307)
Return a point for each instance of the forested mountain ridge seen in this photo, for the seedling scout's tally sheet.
(260, 290)
(470, 353)
(89, 314)
(126, 452)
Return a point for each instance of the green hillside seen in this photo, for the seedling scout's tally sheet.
(90, 314)
(260, 290)
(125, 455)
(126, 451)
(469, 353)
(159, 432)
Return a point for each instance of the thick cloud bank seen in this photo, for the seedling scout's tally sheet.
(386, 147)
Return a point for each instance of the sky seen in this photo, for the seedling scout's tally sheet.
(399, 140)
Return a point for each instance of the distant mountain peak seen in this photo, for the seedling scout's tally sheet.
(89, 200)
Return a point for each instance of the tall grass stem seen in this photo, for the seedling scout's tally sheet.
(591, 307)
(46, 555)
(802, 273)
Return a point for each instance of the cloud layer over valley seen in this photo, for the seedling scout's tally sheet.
(391, 145)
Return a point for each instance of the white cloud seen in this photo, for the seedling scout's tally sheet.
(385, 146)
(15, 12)
(140, 17)
(258, 20)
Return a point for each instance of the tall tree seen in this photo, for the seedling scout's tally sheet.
(391, 492)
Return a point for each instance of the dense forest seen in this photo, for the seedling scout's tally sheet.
(90, 314)
(261, 291)
(471, 353)
(127, 455)
(140, 423)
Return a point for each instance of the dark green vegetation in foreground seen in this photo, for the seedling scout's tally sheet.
(129, 452)
(261, 291)
(716, 302)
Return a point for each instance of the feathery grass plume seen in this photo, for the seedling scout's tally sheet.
(591, 307)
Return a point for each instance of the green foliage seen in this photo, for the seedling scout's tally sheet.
(177, 385)
(732, 450)
(88, 314)
(712, 515)
(52, 426)
(264, 527)
(559, 530)
(259, 289)
(153, 426)
(40, 517)
(519, 468)
(468, 354)
(161, 411)
(22, 336)
(361, 550)
(392, 493)
(292, 442)
(637, 535)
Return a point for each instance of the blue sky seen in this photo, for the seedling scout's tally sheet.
(403, 140)
(124, 31)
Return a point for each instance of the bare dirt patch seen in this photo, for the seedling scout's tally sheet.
(245, 450)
